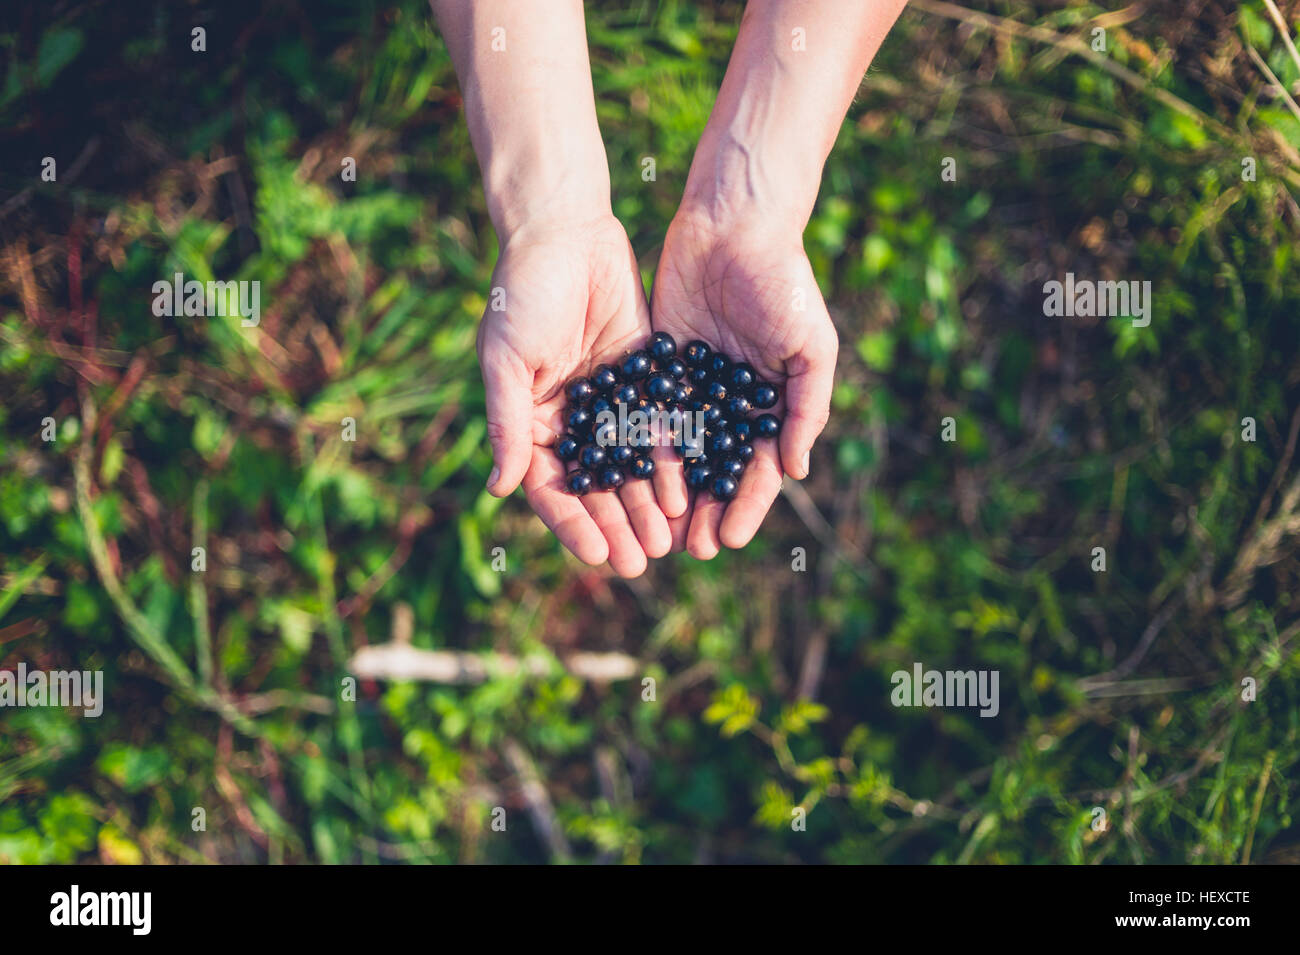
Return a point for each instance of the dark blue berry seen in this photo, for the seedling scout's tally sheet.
(698, 377)
(724, 487)
(566, 449)
(767, 426)
(720, 442)
(621, 454)
(682, 392)
(580, 390)
(676, 367)
(580, 420)
(636, 365)
(579, 482)
(697, 353)
(662, 346)
(660, 387)
(745, 452)
(605, 378)
(690, 449)
(601, 404)
(625, 395)
(743, 431)
(611, 478)
(719, 366)
(641, 404)
(731, 465)
(605, 434)
(698, 476)
(711, 412)
(642, 467)
(717, 392)
(738, 406)
(764, 395)
(742, 377)
(592, 456)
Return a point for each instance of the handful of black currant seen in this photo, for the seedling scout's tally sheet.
(699, 402)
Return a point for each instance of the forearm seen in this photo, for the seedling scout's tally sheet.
(780, 107)
(526, 83)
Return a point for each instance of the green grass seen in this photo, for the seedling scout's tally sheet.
(228, 688)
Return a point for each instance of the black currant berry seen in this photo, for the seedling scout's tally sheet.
(621, 454)
(719, 366)
(743, 431)
(676, 367)
(605, 434)
(611, 477)
(601, 404)
(698, 476)
(566, 449)
(745, 452)
(721, 442)
(660, 387)
(764, 395)
(580, 420)
(724, 487)
(662, 346)
(682, 393)
(642, 404)
(592, 456)
(642, 467)
(742, 377)
(604, 378)
(636, 365)
(697, 354)
(579, 482)
(625, 395)
(731, 466)
(717, 392)
(698, 378)
(738, 406)
(580, 390)
(767, 426)
(711, 412)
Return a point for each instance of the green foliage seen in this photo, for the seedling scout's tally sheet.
(227, 689)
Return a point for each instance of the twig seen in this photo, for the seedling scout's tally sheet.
(538, 800)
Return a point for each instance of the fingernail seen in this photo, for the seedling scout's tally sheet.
(492, 478)
(807, 458)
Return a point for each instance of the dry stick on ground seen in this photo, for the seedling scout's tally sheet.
(538, 800)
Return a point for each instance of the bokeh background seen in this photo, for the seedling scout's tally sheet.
(226, 688)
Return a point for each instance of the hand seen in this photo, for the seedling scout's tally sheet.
(738, 287)
(573, 298)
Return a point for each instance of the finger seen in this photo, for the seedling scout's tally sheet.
(647, 520)
(559, 510)
(509, 385)
(759, 486)
(670, 484)
(702, 541)
(679, 527)
(626, 556)
(807, 403)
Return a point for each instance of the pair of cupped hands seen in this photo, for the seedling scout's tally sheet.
(573, 298)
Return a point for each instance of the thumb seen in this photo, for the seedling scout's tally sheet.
(509, 386)
(807, 405)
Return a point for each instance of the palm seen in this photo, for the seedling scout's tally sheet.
(756, 300)
(572, 299)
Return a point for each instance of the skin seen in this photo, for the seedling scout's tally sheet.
(733, 271)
